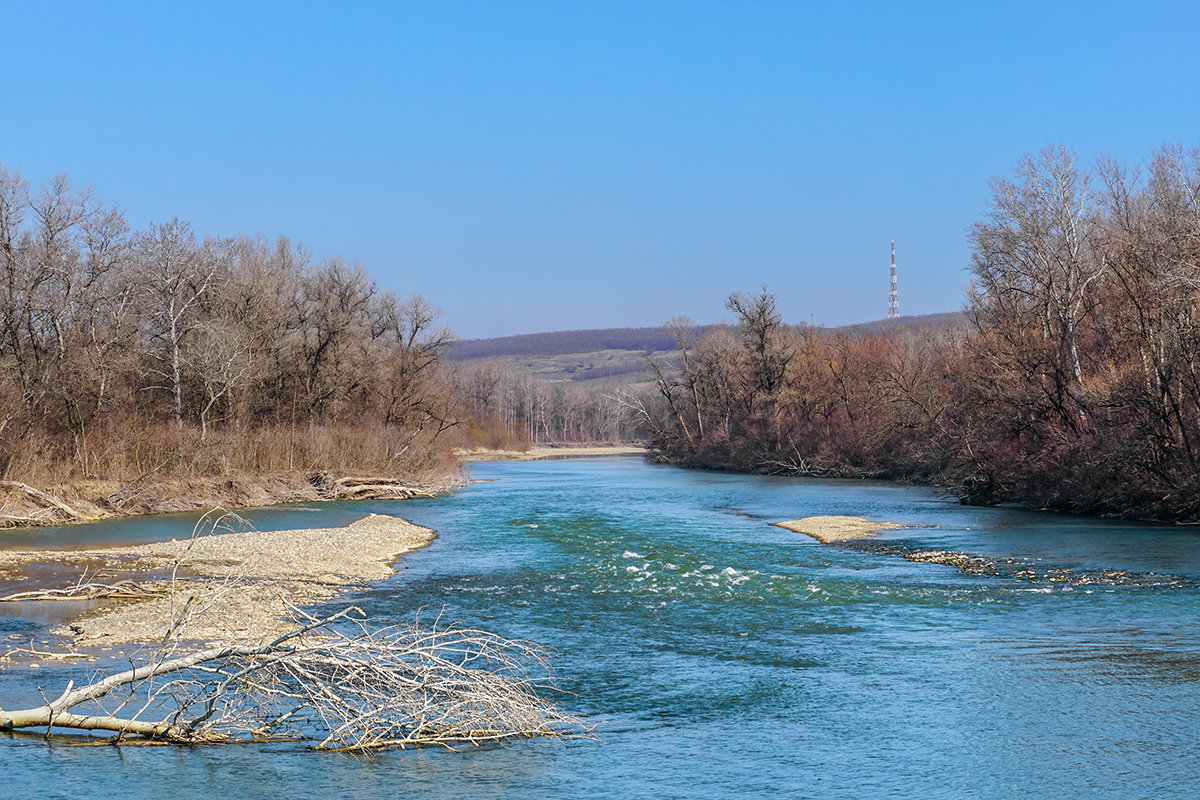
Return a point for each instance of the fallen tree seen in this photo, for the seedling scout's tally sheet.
(344, 681)
(371, 488)
(35, 507)
(339, 681)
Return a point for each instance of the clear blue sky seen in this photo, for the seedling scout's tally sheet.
(542, 166)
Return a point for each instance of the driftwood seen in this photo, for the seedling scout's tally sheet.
(376, 488)
(343, 681)
(51, 506)
(367, 488)
(337, 680)
(121, 590)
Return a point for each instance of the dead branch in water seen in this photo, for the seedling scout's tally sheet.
(344, 681)
(50, 655)
(121, 590)
(338, 680)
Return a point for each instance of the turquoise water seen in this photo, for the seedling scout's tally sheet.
(724, 657)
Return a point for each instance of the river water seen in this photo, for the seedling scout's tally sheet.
(723, 657)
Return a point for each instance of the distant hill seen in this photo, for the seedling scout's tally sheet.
(609, 356)
(647, 340)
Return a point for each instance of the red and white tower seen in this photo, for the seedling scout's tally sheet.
(894, 297)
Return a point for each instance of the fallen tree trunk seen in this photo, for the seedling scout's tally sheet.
(368, 488)
(351, 488)
(336, 679)
(48, 506)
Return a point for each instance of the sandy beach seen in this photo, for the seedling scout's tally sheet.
(829, 529)
(242, 586)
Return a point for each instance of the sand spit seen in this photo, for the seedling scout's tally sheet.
(835, 528)
(540, 453)
(243, 583)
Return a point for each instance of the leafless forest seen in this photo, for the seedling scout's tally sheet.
(128, 356)
(507, 409)
(133, 355)
(147, 358)
(1076, 387)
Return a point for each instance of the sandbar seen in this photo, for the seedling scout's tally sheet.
(245, 584)
(835, 528)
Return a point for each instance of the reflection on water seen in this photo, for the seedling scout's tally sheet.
(726, 657)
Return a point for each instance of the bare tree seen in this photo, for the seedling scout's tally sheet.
(680, 329)
(1152, 246)
(179, 277)
(105, 313)
(331, 315)
(1036, 265)
(414, 348)
(224, 360)
(760, 324)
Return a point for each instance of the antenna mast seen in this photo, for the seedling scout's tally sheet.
(894, 296)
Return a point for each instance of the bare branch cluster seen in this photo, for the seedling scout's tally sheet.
(340, 681)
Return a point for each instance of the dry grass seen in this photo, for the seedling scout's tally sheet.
(139, 469)
(491, 433)
(133, 450)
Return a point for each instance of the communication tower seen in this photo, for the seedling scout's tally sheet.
(894, 296)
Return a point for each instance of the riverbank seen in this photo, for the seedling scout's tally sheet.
(549, 452)
(24, 505)
(236, 586)
(86, 501)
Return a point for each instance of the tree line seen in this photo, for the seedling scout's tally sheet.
(125, 353)
(505, 409)
(1076, 386)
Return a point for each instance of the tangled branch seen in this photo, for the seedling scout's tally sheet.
(338, 680)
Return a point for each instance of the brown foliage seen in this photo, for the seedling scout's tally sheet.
(1078, 388)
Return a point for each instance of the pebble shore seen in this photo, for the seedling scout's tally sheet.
(245, 585)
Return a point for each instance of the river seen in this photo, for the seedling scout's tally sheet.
(723, 657)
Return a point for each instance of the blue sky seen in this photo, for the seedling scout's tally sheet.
(544, 166)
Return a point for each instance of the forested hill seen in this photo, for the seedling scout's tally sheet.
(949, 319)
(646, 340)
